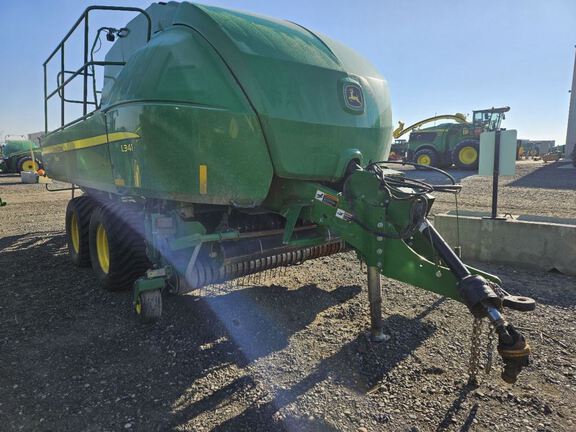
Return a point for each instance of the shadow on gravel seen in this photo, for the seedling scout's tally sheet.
(554, 290)
(257, 322)
(547, 288)
(73, 357)
(261, 319)
(27, 264)
(14, 183)
(359, 373)
(433, 177)
(24, 241)
(448, 420)
(550, 176)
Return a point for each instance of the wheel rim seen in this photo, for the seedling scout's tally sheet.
(102, 248)
(424, 159)
(468, 155)
(29, 165)
(75, 233)
(138, 306)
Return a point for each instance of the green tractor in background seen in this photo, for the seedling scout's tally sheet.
(397, 150)
(18, 155)
(450, 143)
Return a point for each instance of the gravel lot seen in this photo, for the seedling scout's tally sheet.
(536, 189)
(285, 352)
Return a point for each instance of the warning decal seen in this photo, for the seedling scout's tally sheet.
(344, 215)
(327, 199)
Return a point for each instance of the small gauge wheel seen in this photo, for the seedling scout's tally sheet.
(148, 306)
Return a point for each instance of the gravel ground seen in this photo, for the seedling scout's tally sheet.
(284, 352)
(536, 189)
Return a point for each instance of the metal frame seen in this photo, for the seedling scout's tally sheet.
(83, 70)
(59, 80)
(73, 188)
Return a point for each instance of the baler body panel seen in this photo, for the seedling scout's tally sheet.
(295, 81)
(177, 142)
(79, 154)
(184, 111)
(189, 112)
(244, 97)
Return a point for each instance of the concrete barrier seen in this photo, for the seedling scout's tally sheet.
(529, 241)
(28, 177)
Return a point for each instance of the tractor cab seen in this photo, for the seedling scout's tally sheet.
(488, 119)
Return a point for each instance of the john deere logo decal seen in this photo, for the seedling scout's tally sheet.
(353, 97)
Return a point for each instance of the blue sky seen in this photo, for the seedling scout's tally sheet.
(438, 56)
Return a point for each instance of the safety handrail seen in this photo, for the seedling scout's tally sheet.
(79, 72)
(83, 70)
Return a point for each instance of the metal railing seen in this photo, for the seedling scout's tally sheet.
(62, 82)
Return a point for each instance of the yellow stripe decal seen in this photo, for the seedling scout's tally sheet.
(89, 142)
(203, 177)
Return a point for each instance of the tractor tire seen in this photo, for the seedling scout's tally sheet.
(466, 154)
(117, 247)
(78, 214)
(426, 156)
(26, 163)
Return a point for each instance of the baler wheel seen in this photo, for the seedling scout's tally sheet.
(78, 214)
(149, 306)
(117, 248)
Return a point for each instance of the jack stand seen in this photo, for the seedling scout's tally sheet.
(375, 299)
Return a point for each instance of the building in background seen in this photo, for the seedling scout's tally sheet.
(571, 130)
(528, 147)
(36, 136)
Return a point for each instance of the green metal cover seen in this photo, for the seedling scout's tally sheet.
(245, 97)
(294, 79)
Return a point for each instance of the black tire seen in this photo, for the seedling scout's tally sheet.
(426, 156)
(78, 214)
(126, 259)
(23, 160)
(466, 154)
(149, 306)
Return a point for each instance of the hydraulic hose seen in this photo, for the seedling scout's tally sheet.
(445, 251)
(453, 187)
